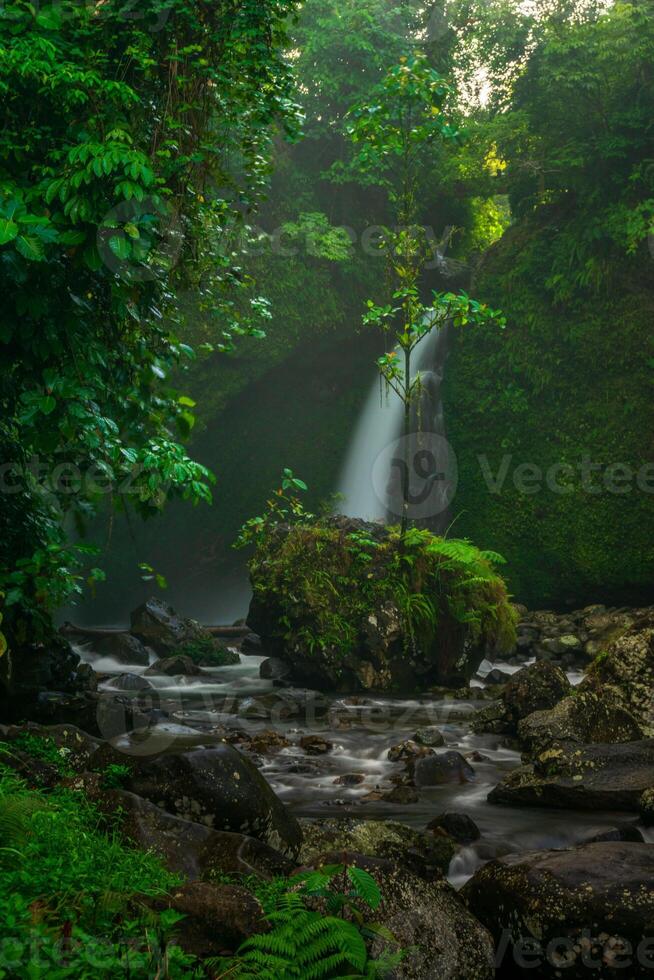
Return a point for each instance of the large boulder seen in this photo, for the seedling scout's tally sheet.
(441, 939)
(626, 671)
(587, 911)
(583, 717)
(330, 600)
(423, 853)
(582, 777)
(535, 688)
(220, 787)
(124, 648)
(191, 849)
(157, 625)
(33, 673)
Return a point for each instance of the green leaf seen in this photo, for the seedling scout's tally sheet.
(48, 404)
(31, 247)
(8, 230)
(120, 247)
(365, 886)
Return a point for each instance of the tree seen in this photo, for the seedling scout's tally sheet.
(135, 141)
(393, 132)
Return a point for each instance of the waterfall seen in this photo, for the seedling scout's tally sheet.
(370, 483)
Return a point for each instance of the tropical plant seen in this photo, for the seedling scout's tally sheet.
(283, 507)
(392, 132)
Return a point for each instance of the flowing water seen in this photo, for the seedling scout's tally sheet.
(362, 730)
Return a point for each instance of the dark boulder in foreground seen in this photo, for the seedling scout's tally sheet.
(349, 606)
(441, 939)
(220, 787)
(588, 777)
(583, 912)
(189, 848)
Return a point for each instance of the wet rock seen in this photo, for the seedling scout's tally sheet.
(432, 737)
(535, 688)
(459, 826)
(497, 676)
(264, 743)
(442, 940)
(274, 669)
(574, 908)
(628, 832)
(408, 750)
(446, 767)
(401, 794)
(187, 848)
(74, 747)
(286, 704)
(157, 625)
(131, 682)
(220, 787)
(419, 852)
(124, 648)
(316, 745)
(582, 718)
(174, 667)
(251, 644)
(626, 671)
(36, 678)
(582, 777)
(217, 918)
(350, 779)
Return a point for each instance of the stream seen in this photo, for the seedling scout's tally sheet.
(362, 730)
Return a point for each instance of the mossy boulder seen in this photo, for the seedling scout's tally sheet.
(581, 777)
(350, 606)
(426, 854)
(626, 671)
(584, 717)
(535, 688)
(574, 913)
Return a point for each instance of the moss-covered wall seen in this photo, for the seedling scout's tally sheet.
(561, 383)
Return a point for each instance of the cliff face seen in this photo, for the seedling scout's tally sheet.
(552, 424)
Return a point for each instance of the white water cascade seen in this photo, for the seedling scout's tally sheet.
(380, 425)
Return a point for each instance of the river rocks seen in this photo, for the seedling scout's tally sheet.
(157, 625)
(124, 648)
(405, 751)
(423, 854)
(459, 826)
(216, 917)
(446, 767)
(441, 939)
(575, 913)
(73, 747)
(350, 779)
(220, 787)
(401, 795)
(131, 682)
(176, 666)
(535, 688)
(626, 670)
(574, 637)
(582, 718)
(587, 777)
(432, 737)
(358, 636)
(316, 745)
(627, 832)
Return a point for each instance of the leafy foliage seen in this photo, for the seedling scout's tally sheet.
(306, 943)
(285, 506)
(132, 147)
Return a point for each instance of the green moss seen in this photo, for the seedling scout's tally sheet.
(207, 652)
(562, 384)
(329, 586)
